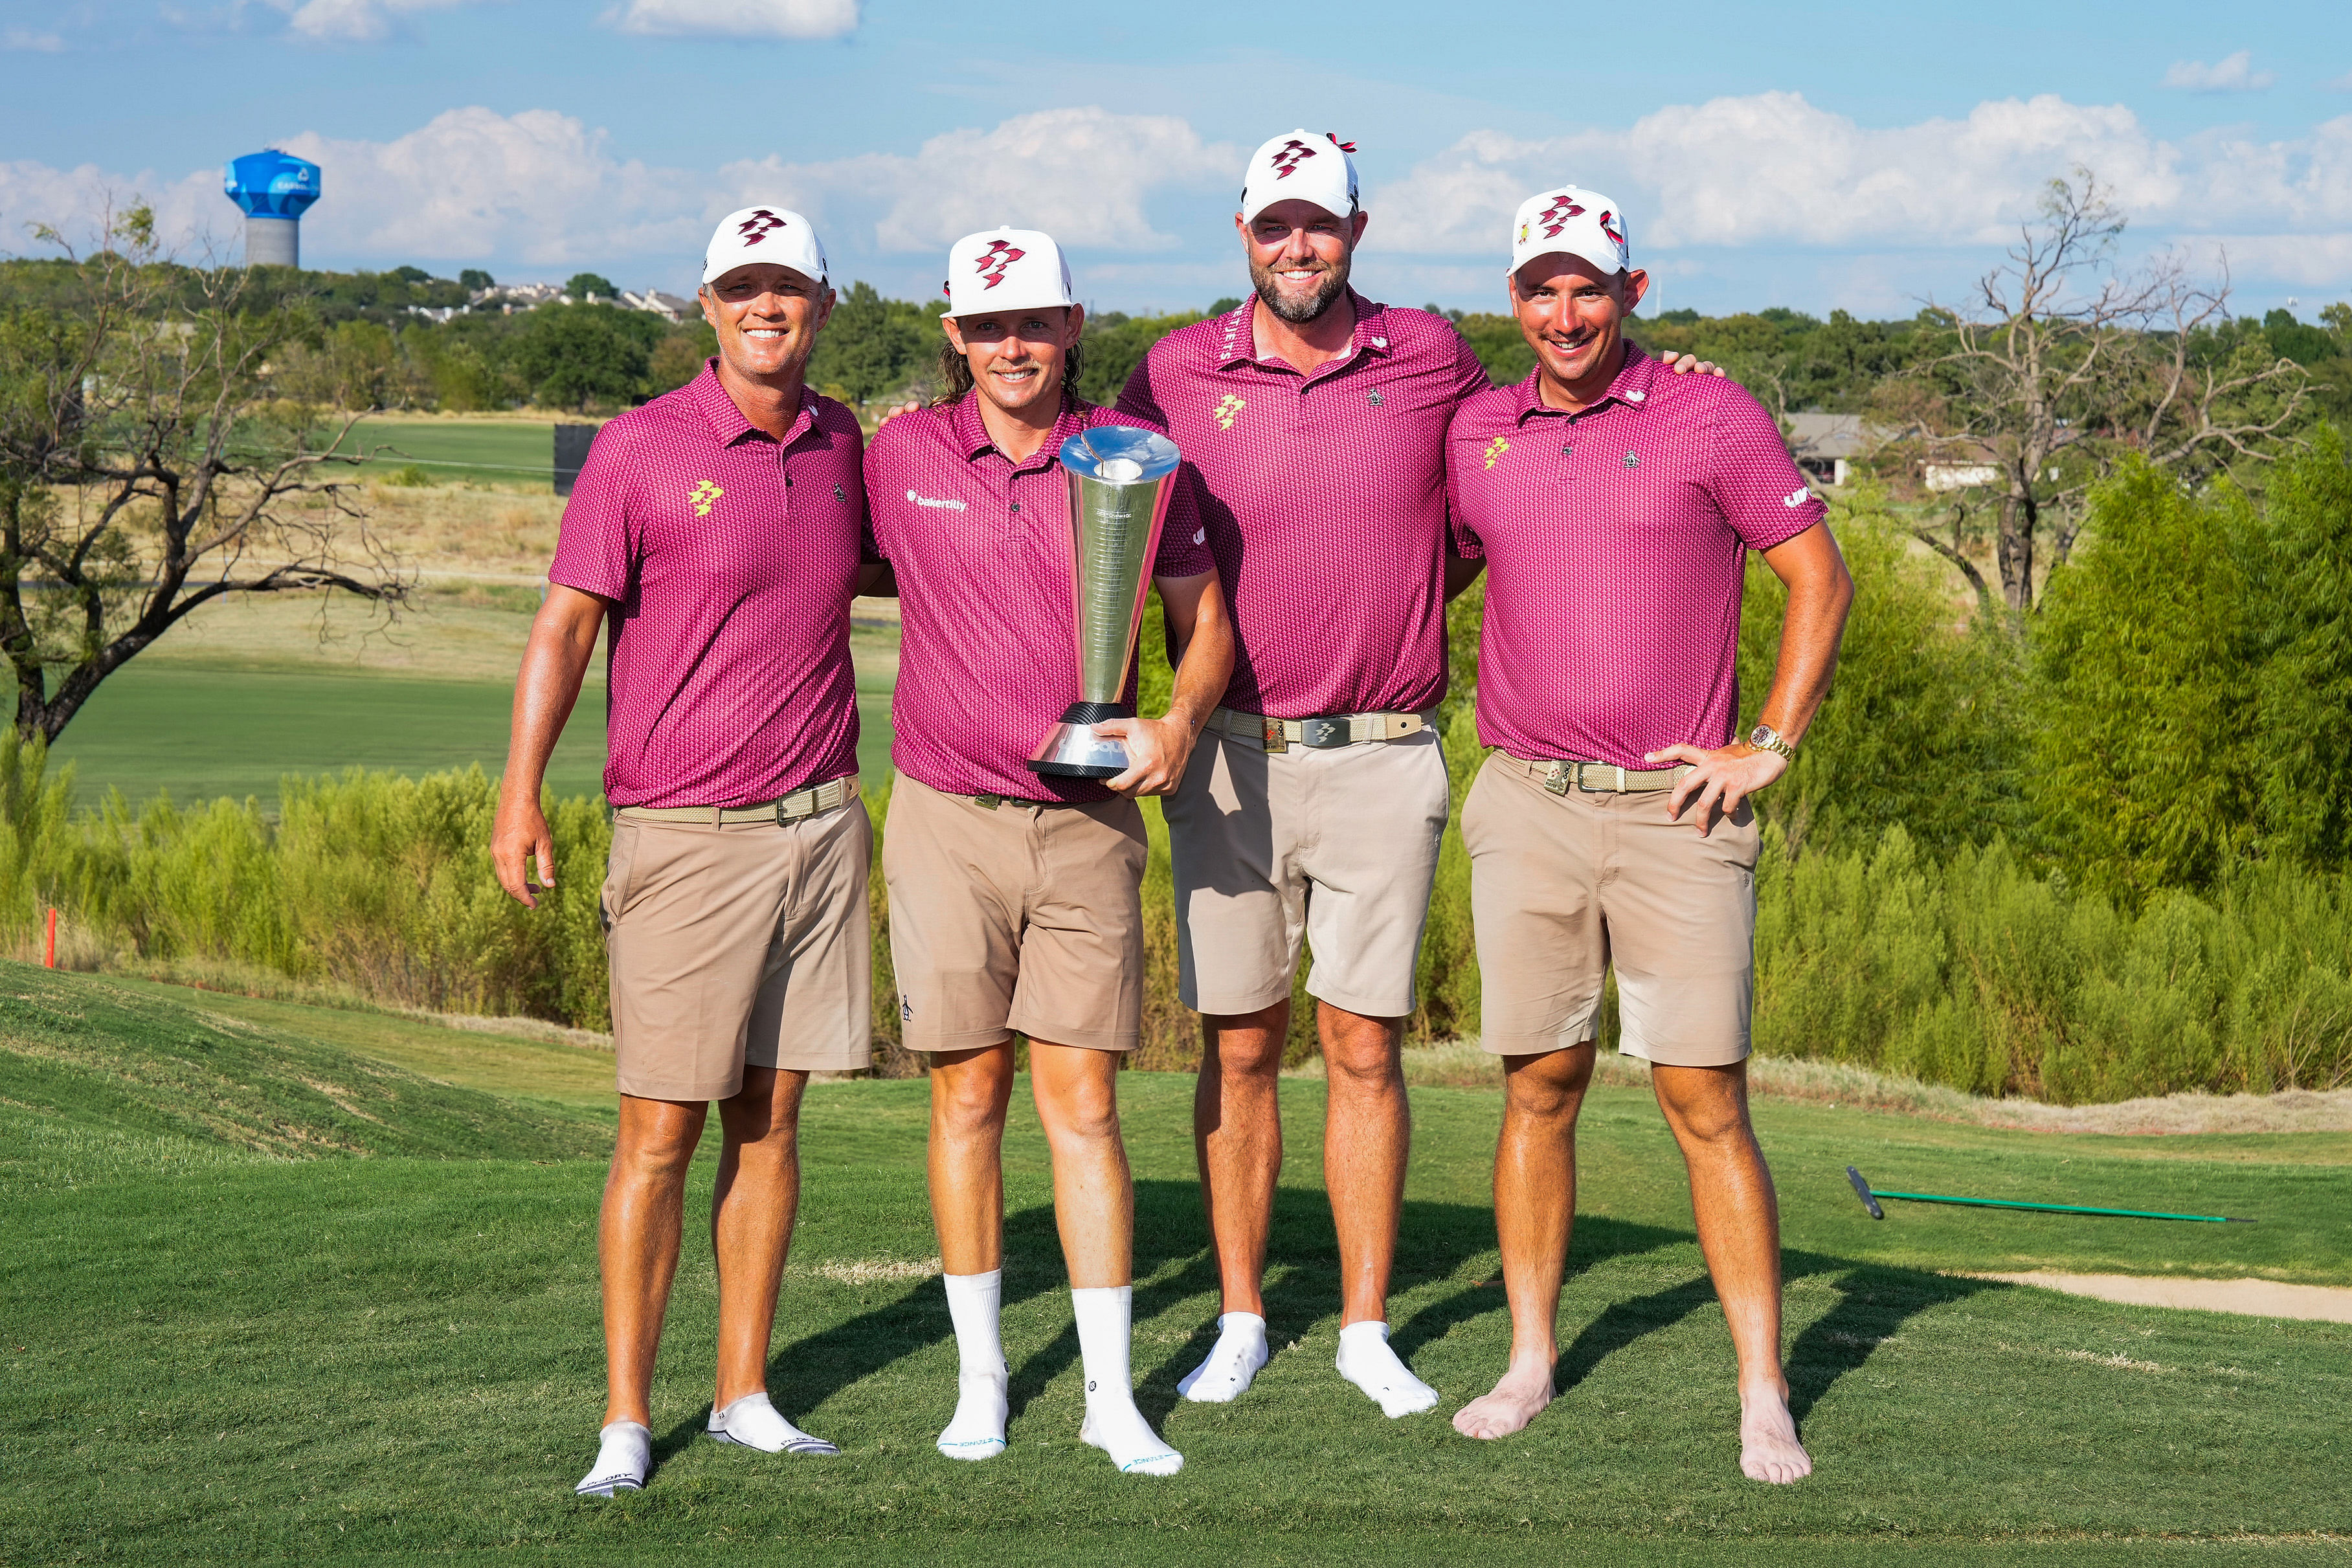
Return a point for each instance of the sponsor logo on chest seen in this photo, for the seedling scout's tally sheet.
(941, 503)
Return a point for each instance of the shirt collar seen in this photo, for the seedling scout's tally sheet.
(726, 421)
(1631, 386)
(1237, 331)
(972, 438)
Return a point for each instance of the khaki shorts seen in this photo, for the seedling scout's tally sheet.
(747, 944)
(1020, 919)
(1337, 846)
(1563, 886)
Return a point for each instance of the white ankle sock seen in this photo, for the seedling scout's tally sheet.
(752, 1422)
(1365, 1361)
(1232, 1361)
(1114, 1425)
(624, 1452)
(975, 1303)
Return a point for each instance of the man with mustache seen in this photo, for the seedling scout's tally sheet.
(1613, 506)
(1316, 420)
(719, 531)
(1016, 898)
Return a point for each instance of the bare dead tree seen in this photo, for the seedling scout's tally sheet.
(145, 471)
(2062, 367)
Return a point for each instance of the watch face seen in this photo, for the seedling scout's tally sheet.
(1762, 735)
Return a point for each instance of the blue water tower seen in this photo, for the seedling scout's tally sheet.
(274, 189)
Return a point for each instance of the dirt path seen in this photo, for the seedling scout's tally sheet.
(2253, 1298)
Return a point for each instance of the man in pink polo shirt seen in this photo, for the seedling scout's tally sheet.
(1316, 420)
(718, 533)
(1614, 506)
(1016, 898)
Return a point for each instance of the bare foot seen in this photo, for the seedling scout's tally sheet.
(1769, 1449)
(1517, 1398)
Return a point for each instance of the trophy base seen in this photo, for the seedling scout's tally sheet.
(1072, 750)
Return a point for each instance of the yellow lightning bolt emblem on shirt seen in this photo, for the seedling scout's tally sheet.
(1496, 449)
(701, 496)
(1228, 407)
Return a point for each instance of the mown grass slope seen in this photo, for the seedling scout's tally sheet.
(107, 1061)
(256, 1358)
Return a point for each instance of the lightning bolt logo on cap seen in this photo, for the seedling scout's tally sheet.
(990, 263)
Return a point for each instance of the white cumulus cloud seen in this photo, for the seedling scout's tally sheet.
(738, 18)
(1774, 169)
(2232, 73)
(355, 21)
(472, 183)
(1081, 175)
(27, 39)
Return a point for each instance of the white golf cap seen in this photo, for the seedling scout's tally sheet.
(1568, 220)
(1301, 166)
(1007, 269)
(775, 235)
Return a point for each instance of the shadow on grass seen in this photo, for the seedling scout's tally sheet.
(1435, 1241)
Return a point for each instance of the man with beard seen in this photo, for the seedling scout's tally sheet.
(1613, 507)
(1317, 421)
(718, 533)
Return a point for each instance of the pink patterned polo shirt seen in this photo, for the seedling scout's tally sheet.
(730, 559)
(1324, 497)
(981, 545)
(1615, 541)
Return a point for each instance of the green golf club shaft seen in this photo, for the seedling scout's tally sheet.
(2055, 1208)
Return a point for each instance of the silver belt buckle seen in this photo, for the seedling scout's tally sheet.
(1606, 769)
(1324, 733)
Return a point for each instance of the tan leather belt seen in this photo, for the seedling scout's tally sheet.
(1321, 733)
(1596, 778)
(830, 796)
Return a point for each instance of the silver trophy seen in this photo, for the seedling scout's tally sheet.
(1119, 478)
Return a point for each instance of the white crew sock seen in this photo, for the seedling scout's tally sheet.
(1113, 1424)
(624, 1452)
(1365, 1361)
(1231, 1362)
(975, 1303)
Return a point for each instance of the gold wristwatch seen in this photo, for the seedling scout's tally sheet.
(1765, 737)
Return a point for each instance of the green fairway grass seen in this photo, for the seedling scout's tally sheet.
(245, 1356)
(518, 454)
(199, 731)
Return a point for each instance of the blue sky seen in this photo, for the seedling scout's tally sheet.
(1841, 156)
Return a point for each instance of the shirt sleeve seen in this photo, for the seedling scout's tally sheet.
(1461, 538)
(1755, 481)
(1470, 376)
(876, 539)
(596, 545)
(1137, 400)
(1184, 540)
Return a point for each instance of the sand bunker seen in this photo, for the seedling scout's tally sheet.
(2253, 1298)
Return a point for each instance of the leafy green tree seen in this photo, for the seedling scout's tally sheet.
(2305, 686)
(573, 355)
(679, 357)
(473, 277)
(871, 345)
(2146, 770)
(1115, 344)
(144, 473)
(583, 284)
(1923, 727)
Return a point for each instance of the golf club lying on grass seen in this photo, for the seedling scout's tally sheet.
(1870, 1201)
